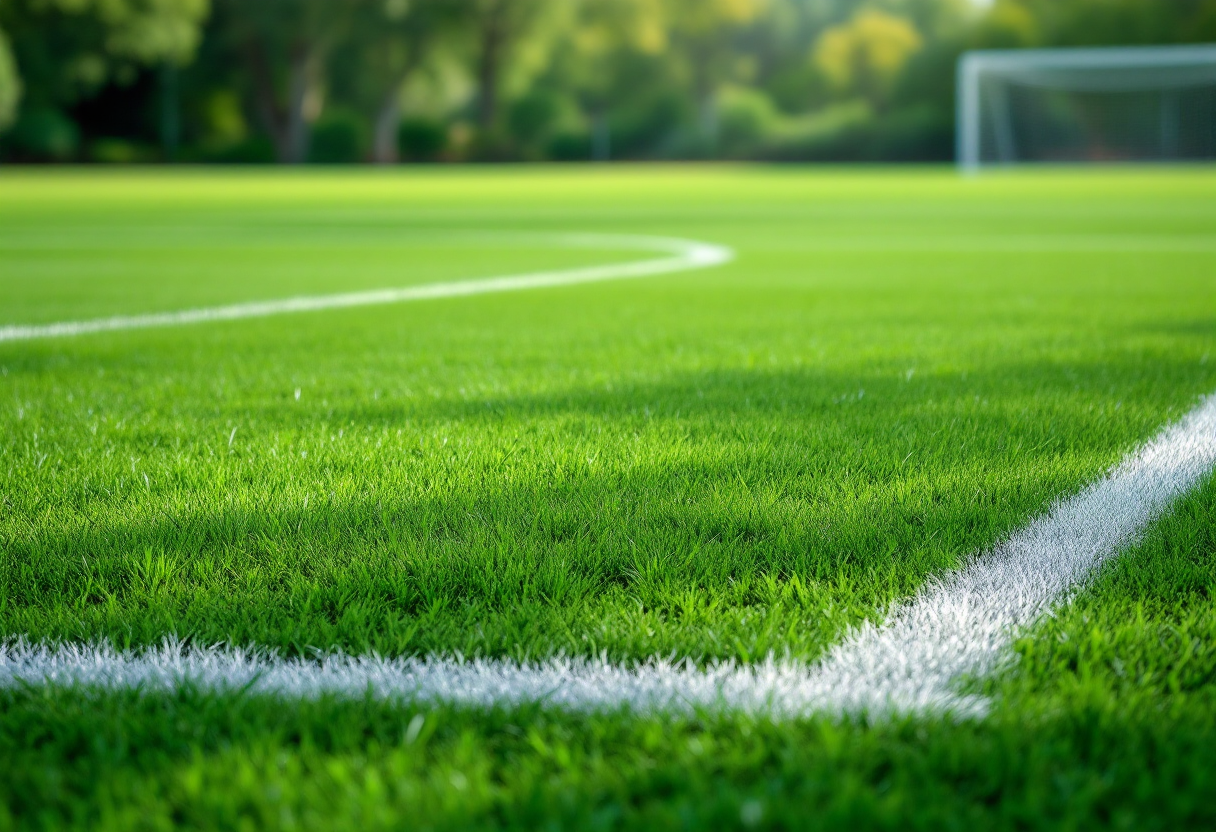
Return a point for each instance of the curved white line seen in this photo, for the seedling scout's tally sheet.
(682, 255)
(961, 625)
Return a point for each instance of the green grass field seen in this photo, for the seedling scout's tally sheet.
(899, 369)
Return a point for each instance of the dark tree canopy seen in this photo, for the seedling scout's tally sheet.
(390, 80)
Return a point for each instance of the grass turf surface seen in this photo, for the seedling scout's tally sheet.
(900, 368)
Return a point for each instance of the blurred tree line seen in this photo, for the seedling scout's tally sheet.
(333, 81)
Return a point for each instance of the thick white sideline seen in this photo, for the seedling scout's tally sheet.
(960, 625)
(681, 255)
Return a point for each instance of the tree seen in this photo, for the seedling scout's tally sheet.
(599, 47)
(391, 42)
(68, 48)
(284, 45)
(498, 27)
(867, 54)
(10, 85)
(704, 32)
(1113, 22)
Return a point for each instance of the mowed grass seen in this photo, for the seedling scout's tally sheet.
(127, 268)
(1109, 721)
(899, 368)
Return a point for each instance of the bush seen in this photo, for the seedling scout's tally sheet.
(532, 119)
(117, 151)
(919, 133)
(646, 126)
(43, 135)
(746, 119)
(421, 139)
(570, 146)
(255, 150)
(839, 132)
(337, 138)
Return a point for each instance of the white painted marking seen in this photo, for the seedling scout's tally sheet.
(958, 626)
(682, 255)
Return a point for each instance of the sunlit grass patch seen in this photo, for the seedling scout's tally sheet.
(894, 374)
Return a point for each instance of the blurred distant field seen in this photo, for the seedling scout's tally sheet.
(899, 368)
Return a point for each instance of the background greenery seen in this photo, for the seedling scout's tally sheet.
(331, 81)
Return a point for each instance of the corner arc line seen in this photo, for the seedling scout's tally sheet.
(679, 256)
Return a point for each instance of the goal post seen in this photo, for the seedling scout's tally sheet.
(1103, 104)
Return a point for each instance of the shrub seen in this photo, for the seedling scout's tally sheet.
(337, 138)
(421, 139)
(43, 134)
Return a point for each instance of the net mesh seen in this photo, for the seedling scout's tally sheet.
(1097, 113)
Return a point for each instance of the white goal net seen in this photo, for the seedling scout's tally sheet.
(1124, 104)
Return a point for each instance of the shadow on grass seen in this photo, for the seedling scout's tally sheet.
(204, 761)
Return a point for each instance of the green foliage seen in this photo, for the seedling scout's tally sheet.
(533, 117)
(43, 134)
(284, 47)
(255, 150)
(421, 139)
(867, 55)
(10, 84)
(118, 151)
(69, 48)
(746, 118)
(536, 79)
(338, 138)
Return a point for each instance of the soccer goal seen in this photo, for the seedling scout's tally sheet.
(1120, 104)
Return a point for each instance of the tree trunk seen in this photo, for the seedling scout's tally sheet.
(709, 122)
(493, 37)
(384, 144)
(707, 105)
(296, 129)
(388, 117)
(170, 107)
(601, 136)
(285, 122)
(265, 100)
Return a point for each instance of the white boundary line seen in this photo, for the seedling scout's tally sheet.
(682, 255)
(958, 626)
